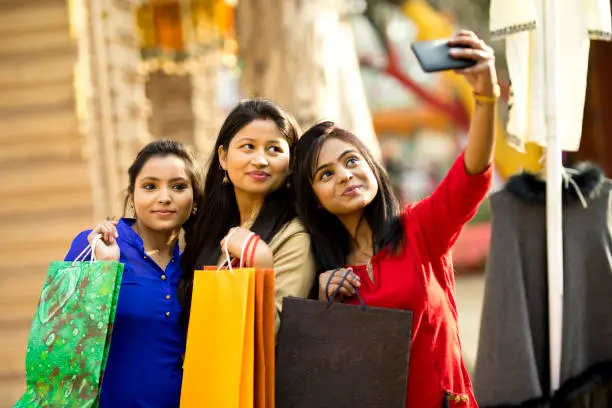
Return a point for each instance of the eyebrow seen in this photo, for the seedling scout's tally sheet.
(344, 153)
(245, 139)
(278, 139)
(150, 178)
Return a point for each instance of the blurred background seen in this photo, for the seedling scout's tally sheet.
(84, 84)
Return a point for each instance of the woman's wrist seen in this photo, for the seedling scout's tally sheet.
(490, 90)
(262, 257)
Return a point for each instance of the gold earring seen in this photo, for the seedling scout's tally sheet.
(225, 179)
(195, 210)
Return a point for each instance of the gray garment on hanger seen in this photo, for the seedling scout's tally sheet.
(512, 362)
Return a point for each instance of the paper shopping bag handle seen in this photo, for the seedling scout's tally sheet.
(330, 300)
(89, 249)
(228, 259)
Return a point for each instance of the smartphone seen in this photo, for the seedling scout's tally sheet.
(434, 56)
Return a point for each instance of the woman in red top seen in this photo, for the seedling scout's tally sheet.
(401, 259)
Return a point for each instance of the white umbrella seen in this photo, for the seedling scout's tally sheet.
(547, 48)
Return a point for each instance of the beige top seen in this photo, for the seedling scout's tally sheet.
(294, 263)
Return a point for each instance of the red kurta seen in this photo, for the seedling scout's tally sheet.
(421, 279)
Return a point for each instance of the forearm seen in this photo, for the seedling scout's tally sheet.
(263, 257)
(481, 138)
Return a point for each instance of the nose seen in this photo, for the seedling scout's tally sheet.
(259, 160)
(345, 175)
(164, 196)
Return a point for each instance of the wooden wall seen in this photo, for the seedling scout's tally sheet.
(45, 193)
(171, 113)
(48, 168)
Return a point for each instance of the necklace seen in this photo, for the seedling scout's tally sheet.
(369, 267)
(370, 270)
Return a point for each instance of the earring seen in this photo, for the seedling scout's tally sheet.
(225, 179)
(194, 210)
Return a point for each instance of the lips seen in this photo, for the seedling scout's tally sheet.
(259, 175)
(351, 191)
(164, 212)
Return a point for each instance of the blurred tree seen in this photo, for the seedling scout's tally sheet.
(302, 55)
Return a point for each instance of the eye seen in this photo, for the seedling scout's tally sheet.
(275, 149)
(325, 174)
(352, 162)
(148, 186)
(180, 187)
(248, 146)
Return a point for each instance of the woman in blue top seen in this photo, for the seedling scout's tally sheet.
(144, 367)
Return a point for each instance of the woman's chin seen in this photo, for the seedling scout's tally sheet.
(262, 189)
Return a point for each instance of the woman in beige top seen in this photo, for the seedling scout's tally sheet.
(247, 201)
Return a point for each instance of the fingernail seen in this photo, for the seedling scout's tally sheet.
(453, 51)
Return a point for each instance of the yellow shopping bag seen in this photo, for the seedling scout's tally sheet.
(219, 358)
(264, 338)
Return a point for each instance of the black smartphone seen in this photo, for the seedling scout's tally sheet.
(434, 56)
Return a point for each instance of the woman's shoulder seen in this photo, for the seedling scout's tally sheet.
(294, 226)
(81, 241)
(290, 229)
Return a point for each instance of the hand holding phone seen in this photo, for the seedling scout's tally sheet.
(434, 56)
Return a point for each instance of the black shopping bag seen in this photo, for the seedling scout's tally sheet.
(337, 355)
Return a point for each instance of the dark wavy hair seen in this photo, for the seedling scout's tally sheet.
(163, 148)
(218, 210)
(331, 241)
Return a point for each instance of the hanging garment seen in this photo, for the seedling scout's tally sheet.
(520, 22)
(512, 366)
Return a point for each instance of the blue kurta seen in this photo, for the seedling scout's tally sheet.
(144, 366)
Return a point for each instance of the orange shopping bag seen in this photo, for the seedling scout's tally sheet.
(219, 358)
(264, 338)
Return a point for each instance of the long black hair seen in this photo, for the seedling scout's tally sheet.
(331, 242)
(218, 209)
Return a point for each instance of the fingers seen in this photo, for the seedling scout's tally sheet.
(463, 34)
(474, 69)
(466, 44)
(108, 229)
(334, 278)
(471, 53)
(352, 280)
(223, 241)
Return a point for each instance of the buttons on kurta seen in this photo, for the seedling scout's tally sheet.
(167, 314)
(167, 297)
(163, 277)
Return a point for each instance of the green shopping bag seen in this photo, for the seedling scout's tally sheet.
(70, 335)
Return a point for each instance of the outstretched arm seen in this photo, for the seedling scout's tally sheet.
(483, 79)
